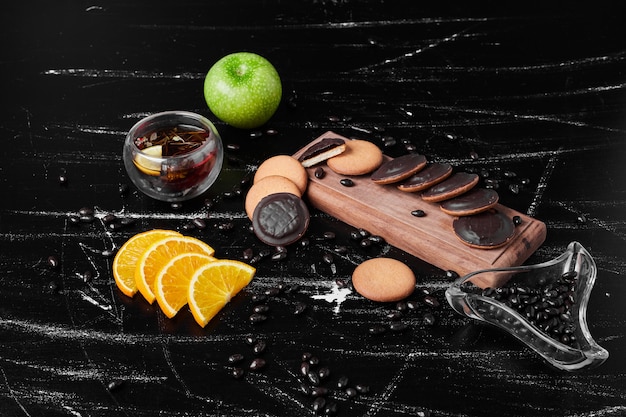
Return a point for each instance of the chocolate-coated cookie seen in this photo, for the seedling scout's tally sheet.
(487, 230)
(474, 201)
(280, 219)
(427, 177)
(398, 169)
(456, 185)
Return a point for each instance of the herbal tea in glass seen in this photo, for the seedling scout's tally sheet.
(173, 156)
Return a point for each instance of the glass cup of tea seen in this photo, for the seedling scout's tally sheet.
(173, 156)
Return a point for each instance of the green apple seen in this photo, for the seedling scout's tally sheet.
(243, 89)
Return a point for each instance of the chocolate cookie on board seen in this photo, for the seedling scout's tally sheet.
(399, 168)
(453, 186)
(427, 177)
(487, 230)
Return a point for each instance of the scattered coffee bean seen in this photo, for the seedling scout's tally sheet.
(362, 389)
(313, 378)
(115, 385)
(259, 347)
(351, 392)
(256, 134)
(398, 326)
(431, 301)
(347, 182)
(261, 308)
(342, 382)
(256, 318)
(418, 213)
(429, 319)
(86, 276)
(238, 373)
(319, 173)
(176, 206)
(87, 218)
(247, 254)
(323, 372)
(52, 262)
(305, 367)
(319, 391)
(235, 358)
(199, 223)
(329, 235)
(257, 364)
(109, 218)
(331, 409)
(328, 258)
(365, 243)
(377, 329)
(299, 308)
(451, 274)
(318, 404)
(250, 340)
(582, 219)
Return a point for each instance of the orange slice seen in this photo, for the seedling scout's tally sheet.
(128, 255)
(214, 284)
(172, 282)
(160, 253)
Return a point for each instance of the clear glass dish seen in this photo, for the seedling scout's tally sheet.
(174, 155)
(556, 326)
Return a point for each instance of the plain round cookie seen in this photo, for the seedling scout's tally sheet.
(285, 166)
(360, 157)
(266, 186)
(383, 279)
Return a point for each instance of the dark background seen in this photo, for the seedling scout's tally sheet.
(537, 92)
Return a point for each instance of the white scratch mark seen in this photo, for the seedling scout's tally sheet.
(541, 186)
(336, 295)
(94, 302)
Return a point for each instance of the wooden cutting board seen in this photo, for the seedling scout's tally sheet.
(386, 211)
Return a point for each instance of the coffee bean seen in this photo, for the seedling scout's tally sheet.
(256, 318)
(279, 256)
(347, 182)
(324, 372)
(418, 213)
(319, 391)
(351, 392)
(314, 360)
(329, 235)
(259, 347)
(318, 404)
(238, 373)
(235, 358)
(451, 274)
(517, 220)
(328, 258)
(431, 301)
(313, 378)
(299, 308)
(261, 308)
(398, 327)
(305, 367)
(362, 389)
(257, 364)
(199, 223)
(52, 262)
(429, 319)
(115, 385)
(377, 329)
(331, 409)
(319, 173)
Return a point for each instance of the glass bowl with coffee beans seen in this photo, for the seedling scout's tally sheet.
(173, 156)
(543, 305)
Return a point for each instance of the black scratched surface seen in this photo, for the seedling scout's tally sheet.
(535, 92)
